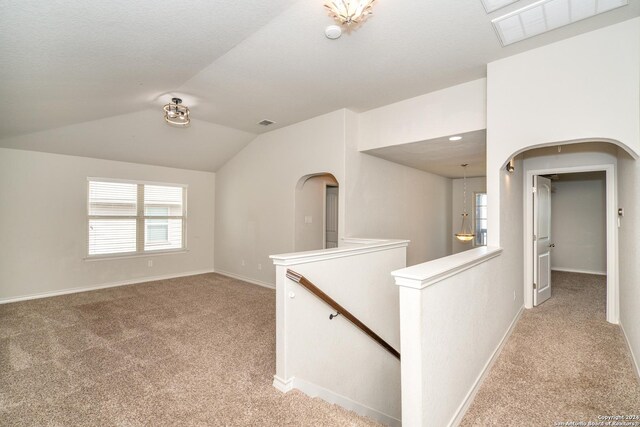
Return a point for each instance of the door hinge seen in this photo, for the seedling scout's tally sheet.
(535, 237)
(534, 189)
(535, 285)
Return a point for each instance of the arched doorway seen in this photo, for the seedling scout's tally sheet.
(316, 212)
(558, 160)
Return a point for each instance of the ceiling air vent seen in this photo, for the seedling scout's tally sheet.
(266, 122)
(547, 15)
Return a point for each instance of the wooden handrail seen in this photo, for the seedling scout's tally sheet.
(298, 278)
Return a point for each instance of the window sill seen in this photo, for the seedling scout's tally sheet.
(133, 255)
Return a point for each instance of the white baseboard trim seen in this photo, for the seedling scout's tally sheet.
(577, 270)
(283, 385)
(246, 279)
(102, 286)
(313, 390)
(468, 400)
(634, 359)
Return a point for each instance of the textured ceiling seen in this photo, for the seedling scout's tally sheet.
(288, 71)
(233, 62)
(71, 61)
(441, 156)
(140, 137)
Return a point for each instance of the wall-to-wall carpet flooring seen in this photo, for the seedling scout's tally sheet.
(563, 363)
(194, 351)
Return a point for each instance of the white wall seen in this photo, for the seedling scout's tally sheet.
(255, 196)
(474, 185)
(333, 358)
(582, 154)
(310, 203)
(43, 223)
(391, 201)
(629, 250)
(578, 223)
(255, 193)
(454, 110)
(585, 87)
(452, 324)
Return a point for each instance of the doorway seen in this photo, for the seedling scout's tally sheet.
(331, 217)
(316, 212)
(539, 238)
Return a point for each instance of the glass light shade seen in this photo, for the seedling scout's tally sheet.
(349, 11)
(176, 114)
(465, 234)
(464, 237)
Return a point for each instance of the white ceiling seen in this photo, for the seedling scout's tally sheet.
(233, 62)
(441, 156)
(140, 137)
(71, 61)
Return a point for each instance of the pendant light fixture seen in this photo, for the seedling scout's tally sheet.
(176, 114)
(465, 234)
(348, 12)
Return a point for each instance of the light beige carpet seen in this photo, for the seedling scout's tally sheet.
(563, 363)
(196, 351)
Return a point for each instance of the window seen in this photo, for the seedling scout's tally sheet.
(157, 230)
(163, 217)
(480, 219)
(135, 218)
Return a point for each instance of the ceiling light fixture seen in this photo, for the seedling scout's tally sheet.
(349, 12)
(455, 138)
(465, 235)
(176, 114)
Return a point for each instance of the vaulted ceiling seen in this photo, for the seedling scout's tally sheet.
(112, 65)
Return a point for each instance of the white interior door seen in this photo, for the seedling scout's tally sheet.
(542, 244)
(331, 218)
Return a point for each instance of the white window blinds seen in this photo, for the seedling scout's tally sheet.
(162, 217)
(129, 217)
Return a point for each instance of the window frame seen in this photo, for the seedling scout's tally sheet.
(474, 217)
(139, 218)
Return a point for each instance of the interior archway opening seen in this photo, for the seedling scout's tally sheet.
(316, 212)
(568, 195)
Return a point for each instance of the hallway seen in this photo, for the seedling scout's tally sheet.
(562, 363)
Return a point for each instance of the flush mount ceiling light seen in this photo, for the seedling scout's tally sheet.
(455, 138)
(349, 12)
(465, 234)
(176, 113)
(547, 15)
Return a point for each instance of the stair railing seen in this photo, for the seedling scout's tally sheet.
(300, 279)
